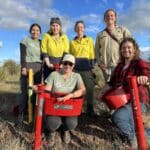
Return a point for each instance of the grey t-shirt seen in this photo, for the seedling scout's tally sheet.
(33, 53)
(61, 85)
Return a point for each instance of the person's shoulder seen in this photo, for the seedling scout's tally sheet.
(89, 37)
(46, 34)
(64, 36)
(101, 33)
(76, 75)
(25, 40)
(141, 61)
(121, 27)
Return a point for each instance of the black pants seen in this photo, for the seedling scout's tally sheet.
(23, 100)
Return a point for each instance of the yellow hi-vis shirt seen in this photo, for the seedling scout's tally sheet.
(54, 48)
(83, 50)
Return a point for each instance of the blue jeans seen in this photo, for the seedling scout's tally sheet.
(123, 119)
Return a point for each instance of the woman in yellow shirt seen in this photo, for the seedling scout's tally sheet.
(53, 46)
(82, 47)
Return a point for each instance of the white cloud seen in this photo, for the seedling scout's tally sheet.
(20, 13)
(137, 19)
(1, 44)
(92, 22)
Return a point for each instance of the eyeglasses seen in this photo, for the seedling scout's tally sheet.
(68, 63)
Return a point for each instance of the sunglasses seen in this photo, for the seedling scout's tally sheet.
(68, 63)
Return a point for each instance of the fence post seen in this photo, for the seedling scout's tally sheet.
(137, 114)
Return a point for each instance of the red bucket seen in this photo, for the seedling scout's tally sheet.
(116, 98)
(71, 107)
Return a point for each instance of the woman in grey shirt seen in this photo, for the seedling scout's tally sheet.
(71, 85)
(30, 58)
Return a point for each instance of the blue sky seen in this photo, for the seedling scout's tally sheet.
(16, 16)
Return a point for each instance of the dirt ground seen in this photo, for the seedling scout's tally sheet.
(92, 133)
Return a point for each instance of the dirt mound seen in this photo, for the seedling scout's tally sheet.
(91, 133)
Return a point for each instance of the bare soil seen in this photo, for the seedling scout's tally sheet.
(92, 133)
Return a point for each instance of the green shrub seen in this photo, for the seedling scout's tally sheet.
(2, 74)
(11, 67)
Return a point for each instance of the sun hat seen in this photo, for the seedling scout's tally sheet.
(69, 58)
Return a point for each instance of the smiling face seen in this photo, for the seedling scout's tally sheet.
(55, 27)
(35, 32)
(67, 66)
(79, 28)
(110, 17)
(128, 51)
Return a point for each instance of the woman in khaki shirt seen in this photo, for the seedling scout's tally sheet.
(107, 43)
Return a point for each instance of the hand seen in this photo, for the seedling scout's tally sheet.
(142, 80)
(103, 67)
(24, 71)
(64, 98)
(49, 65)
(35, 88)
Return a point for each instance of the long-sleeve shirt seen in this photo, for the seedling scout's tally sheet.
(107, 49)
(54, 49)
(136, 68)
(83, 50)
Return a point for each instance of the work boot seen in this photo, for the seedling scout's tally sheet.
(51, 139)
(90, 110)
(66, 137)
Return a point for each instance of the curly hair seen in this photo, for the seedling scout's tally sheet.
(135, 45)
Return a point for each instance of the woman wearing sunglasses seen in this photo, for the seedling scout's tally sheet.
(71, 84)
(54, 44)
(82, 47)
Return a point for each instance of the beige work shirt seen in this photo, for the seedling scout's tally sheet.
(107, 49)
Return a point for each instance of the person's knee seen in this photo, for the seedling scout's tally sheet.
(53, 123)
(117, 117)
(71, 123)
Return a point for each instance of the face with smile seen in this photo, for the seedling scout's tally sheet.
(128, 51)
(67, 66)
(79, 28)
(55, 28)
(35, 32)
(110, 17)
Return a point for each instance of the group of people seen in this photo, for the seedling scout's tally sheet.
(115, 52)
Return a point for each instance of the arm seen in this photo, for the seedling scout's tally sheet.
(80, 91)
(44, 52)
(144, 75)
(66, 44)
(23, 59)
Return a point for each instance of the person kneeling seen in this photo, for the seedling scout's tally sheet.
(71, 85)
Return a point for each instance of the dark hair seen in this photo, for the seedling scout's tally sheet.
(106, 12)
(55, 20)
(35, 24)
(77, 22)
(135, 45)
(58, 21)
